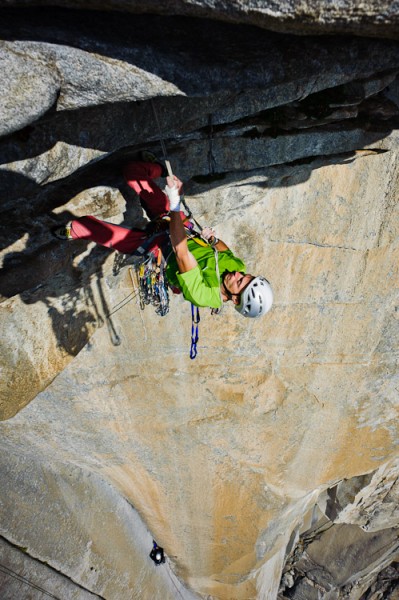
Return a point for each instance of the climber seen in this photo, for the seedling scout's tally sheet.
(205, 277)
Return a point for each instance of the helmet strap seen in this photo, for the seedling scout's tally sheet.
(235, 298)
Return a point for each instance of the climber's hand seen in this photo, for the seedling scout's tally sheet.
(173, 190)
(208, 233)
(175, 182)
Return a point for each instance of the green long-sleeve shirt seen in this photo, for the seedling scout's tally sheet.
(200, 285)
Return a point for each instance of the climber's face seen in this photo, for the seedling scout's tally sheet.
(234, 282)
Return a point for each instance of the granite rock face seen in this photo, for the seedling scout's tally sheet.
(359, 17)
(315, 98)
(274, 453)
(358, 559)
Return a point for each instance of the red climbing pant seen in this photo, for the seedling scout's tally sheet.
(107, 234)
(139, 176)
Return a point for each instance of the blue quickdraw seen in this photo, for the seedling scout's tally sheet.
(195, 319)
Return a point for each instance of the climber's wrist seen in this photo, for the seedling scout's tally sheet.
(174, 198)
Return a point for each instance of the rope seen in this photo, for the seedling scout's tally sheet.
(217, 311)
(165, 154)
(121, 304)
(168, 165)
(195, 319)
(189, 213)
(170, 577)
(22, 579)
(136, 292)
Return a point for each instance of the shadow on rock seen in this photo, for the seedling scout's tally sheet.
(59, 274)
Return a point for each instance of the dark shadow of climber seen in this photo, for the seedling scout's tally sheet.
(49, 271)
(40, 268)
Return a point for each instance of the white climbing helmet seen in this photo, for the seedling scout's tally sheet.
(257, 298)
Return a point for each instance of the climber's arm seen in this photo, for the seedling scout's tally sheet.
(185, 260)
(208, 234)
(221, 246)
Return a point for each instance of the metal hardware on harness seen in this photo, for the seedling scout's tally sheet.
(195, 319)
(153, 287)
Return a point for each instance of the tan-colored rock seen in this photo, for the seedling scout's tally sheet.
(223, 456)
(282, 429)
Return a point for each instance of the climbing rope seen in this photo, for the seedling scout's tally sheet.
(217, 311)
(22, 579)
(11, 573)
(163, 146)
(147, 296)
(169, 167)
(189, 212)
(195, 319)
(122, 303)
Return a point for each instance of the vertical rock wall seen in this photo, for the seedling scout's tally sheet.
(223, 457)
(111, 436)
